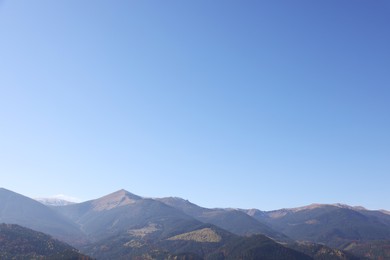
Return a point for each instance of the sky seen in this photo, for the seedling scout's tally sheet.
(244, 104)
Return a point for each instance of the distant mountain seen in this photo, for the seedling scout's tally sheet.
(232, 220)
(123, 211)
(54, 202)
(334, 225)
(21, 210)
(384, 211)
(122, 225)
(22, 243)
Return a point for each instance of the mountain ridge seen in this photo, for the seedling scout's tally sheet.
(53, 201)
(24, 211)
(132, 225)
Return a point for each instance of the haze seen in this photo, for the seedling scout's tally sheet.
(250, 104)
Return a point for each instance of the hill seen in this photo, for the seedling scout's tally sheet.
(257, 247)
(379, 249)
(322, 252)
(22, 243)
(205, 242)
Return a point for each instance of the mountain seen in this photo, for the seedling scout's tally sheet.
(232, 246)
(379, 249)
(322, 252)
(256, 247)
(123, 211)
(122, 225)
(334, 225)
(195, 243)
(21, 210)
(22, 243)
(54, 202)
(204, 242)
(232, 220)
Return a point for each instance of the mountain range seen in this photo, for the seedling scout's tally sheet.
(334, 225)
(122, 225)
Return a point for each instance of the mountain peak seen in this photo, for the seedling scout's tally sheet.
(178, 202)
(116, 199)
(345, 206)
(283, 212)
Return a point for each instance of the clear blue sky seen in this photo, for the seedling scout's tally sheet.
(252, 104)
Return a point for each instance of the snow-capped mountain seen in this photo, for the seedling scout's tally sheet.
(54, 201)
(58, 200)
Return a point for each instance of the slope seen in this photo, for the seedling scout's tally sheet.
(21, 210)
(231, 220)
(256, 247)
(204, 242)
(123, 211)
(22, 243)
(333, 225)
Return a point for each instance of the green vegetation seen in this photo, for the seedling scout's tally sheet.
(203, 235)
